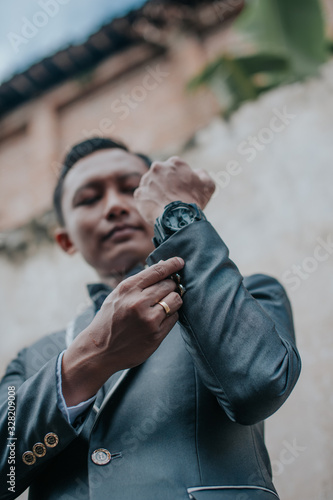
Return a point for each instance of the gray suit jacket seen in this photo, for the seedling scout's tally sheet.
(187, 423)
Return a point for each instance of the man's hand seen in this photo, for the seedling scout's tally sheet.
(127, 330)
(169, 181)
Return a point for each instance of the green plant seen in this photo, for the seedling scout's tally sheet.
(280, 41)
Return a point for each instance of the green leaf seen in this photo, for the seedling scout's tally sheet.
(280, 41)
(293, 30)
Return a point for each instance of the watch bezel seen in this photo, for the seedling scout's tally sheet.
(162, 231)
(169, 209)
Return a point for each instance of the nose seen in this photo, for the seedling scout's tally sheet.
(116, 205)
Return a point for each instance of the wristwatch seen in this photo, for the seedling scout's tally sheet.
(176, 215)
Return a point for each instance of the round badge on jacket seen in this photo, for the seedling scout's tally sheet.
(101, 456)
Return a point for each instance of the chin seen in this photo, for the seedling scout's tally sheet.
(125, 260)
(121, 257)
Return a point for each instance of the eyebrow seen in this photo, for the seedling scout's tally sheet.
(96, 183)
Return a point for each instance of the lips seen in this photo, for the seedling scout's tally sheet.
(119, 231)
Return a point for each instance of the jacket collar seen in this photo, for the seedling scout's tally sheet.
(99, 291)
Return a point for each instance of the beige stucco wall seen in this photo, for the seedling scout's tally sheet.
(271, 212)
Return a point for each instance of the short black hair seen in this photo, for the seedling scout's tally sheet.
(79, 151)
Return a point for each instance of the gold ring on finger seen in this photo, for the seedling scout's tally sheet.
(165, 307)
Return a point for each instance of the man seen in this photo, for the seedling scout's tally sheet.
(160, 389)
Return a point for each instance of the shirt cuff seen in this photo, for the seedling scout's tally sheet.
(69, 412)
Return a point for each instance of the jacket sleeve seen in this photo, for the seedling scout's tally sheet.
(241, 338)
(35, 413)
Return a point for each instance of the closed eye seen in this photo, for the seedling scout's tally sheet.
(88, 201)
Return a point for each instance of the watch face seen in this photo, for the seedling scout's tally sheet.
(178, 217)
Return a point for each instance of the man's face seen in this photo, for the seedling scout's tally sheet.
(101, 218)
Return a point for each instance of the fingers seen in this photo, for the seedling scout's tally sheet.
(158, 272)
(168, 306)
(174, 161)
(203, 175)
(206, 179)
(157, 292)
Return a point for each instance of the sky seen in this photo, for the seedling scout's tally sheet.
(33, 29)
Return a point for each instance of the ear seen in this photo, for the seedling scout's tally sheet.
(62, 238)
